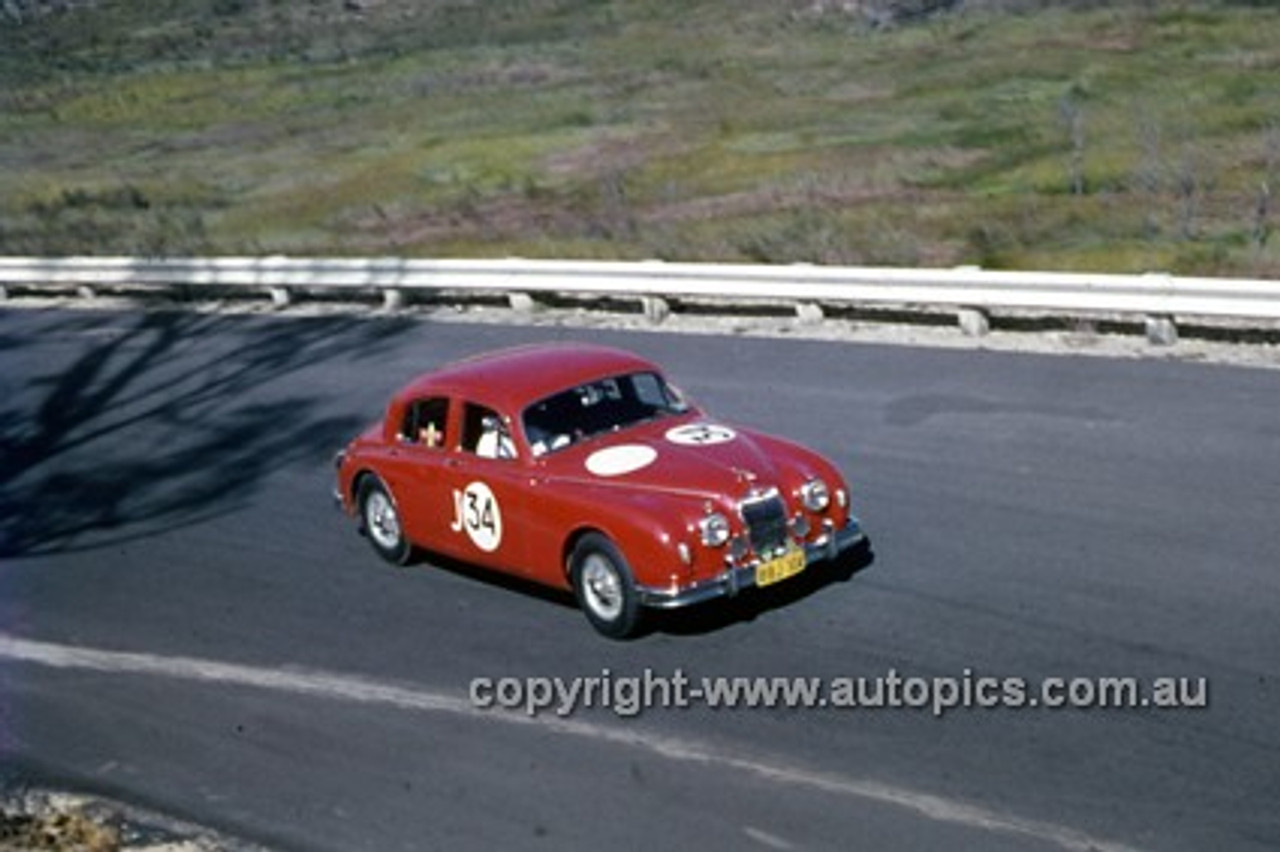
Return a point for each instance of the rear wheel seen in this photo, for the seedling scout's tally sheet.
(381, 520)
(604, 587)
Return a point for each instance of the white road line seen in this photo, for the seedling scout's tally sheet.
(764, 838)
(333, 686)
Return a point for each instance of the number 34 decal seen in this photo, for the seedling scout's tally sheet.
(475, 510)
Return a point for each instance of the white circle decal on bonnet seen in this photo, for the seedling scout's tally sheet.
(700, 434)
(624, 458)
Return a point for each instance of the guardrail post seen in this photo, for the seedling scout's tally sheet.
(522, 303)
(809, 313)
(1083, 327)
(1161, 330)
(973, 322)
(655, 309)
(392, 299)
(4, 292)
(280, 296)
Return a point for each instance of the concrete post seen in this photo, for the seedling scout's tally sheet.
(392, 299)
(655, 308)
(809, 313)
(973, 322)
(1161, 331)
(522, 303)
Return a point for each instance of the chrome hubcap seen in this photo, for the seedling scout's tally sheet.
(380, 518)
(602, 587)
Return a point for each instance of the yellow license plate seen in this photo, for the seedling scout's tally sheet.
(776, 570)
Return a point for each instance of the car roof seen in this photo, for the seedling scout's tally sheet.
(510, 379)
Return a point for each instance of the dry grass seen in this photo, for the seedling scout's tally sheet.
(751, 130)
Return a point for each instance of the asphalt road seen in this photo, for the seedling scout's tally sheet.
(187, 624)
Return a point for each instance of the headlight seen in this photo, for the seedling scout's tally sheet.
(714, 529)
(815, 496)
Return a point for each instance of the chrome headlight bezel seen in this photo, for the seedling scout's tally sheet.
(714, 530)
(815, 495)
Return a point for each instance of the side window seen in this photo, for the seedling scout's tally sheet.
(425, 422)
(486, 434)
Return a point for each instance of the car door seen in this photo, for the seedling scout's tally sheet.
(487, 483)
(422, 490)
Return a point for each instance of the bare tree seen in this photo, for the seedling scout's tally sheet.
(1193, 180)
(1072, 114)
(1187, 181)
(1262, 206)
(1149, 174)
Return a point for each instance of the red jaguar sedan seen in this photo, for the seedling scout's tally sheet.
(581, 467)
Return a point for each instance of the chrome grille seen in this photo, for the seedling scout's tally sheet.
(766, 519)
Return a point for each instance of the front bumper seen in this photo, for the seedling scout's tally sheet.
(739, 577)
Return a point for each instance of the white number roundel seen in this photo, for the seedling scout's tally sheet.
(700, 434)
(476, 511)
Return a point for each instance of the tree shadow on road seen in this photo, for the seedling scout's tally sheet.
(135, 424)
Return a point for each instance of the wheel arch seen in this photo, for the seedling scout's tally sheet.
(400, 550)
(643, 540)
(576, 535)
(361, 477)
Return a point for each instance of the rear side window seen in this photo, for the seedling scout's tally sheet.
(425, 422)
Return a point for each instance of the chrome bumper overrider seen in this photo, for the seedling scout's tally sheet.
(736, 578)
(339, 458)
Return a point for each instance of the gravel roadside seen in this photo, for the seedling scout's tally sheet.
(50, 821)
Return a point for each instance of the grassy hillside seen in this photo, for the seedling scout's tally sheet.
(1101, 136)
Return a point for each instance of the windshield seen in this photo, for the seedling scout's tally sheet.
(606, 405)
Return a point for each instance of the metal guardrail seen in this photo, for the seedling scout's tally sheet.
(972, 293)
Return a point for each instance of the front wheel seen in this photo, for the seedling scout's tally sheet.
(381, 520)
(604, 587)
